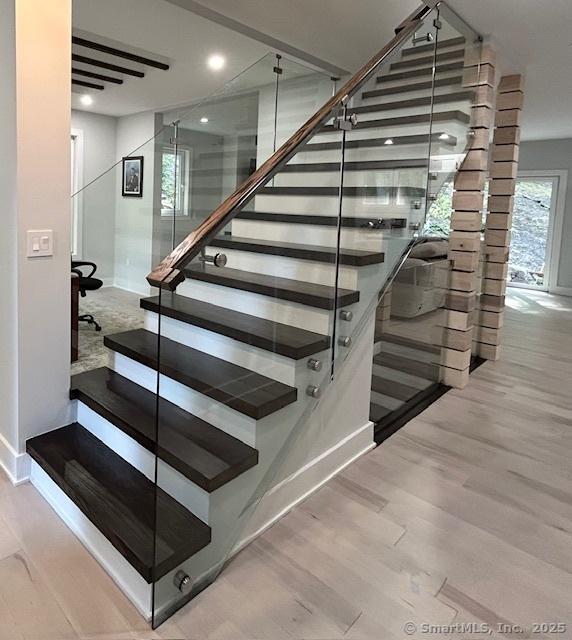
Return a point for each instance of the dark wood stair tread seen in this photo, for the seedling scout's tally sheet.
(326, 221)
(306, 293)
(369, 143)
(393, 388)
(241, 389)
(415, 86)
(350, 257)
(408, 342)
(418, 73)
(427, 370)
(348, 192)
(428, 59)
(421, 118)
(288, 341)
(424, 101)
(450, 42)
(120, 501)
(206, 455)
(364, 165)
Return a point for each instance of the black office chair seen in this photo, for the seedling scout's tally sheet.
(87, 283)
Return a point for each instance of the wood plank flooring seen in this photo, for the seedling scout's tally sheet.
(465, 515)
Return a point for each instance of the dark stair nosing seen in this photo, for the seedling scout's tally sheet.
(348, 257)
(283, 339)
(362, 165)
(451, 42)
(422, 118)
(419, 73)
(326, 221)
(377, 412)
(407, 88)
(412, 62)
(425, 101)
(393, 388)
(306, 293)
(204, 454)
(427, 370)
(236, 387)
(351, 192)
(380, 142)
(120, 501)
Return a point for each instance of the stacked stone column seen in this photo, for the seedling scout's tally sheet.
(503, 172)
(466, 221)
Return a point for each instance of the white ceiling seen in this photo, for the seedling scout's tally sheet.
(175, 35)
(535, 37)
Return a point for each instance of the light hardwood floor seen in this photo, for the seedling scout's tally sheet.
(465, 515)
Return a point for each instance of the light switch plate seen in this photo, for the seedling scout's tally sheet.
(40, 243)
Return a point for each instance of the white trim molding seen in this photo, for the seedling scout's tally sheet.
(16, 465)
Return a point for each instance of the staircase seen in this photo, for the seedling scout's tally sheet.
(182, 447)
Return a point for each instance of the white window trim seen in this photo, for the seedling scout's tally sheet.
(555, 225)
(185, 210)
(76, 241)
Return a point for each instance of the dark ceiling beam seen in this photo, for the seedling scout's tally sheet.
(96, 76)
(106, 65)
(96, 46)
(89, 85)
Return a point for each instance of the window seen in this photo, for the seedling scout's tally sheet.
(175, 178)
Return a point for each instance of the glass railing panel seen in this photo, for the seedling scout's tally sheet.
(114, 230)
(385, 179)
(245, 355)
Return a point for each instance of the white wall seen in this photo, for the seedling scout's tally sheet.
(35, 191)
(134, 216)
(550, 155)
(97, 201)
(8, 235)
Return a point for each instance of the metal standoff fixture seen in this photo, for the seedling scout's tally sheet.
(345, 341)
(183, 582)
(219, 259)
(346, 316)
(313, 391)
(314, 365)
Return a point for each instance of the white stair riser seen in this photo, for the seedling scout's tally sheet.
(460, 105)
(407, 81)
(354, 206)
(219, 415)
(266, 363)
(382, 152)
(291, 268)
(409, 95)
(292, 313)
(170, 480)
(385, 400)
(451, 126)
(415, 177)
(352, 238)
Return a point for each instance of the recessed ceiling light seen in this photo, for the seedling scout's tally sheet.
(204, 120)
(216, 62)
(388, 141)
(86, 100)
(444, 136)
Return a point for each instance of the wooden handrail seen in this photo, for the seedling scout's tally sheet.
(169, 274)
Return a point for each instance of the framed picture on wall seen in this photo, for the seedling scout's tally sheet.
(132, 183)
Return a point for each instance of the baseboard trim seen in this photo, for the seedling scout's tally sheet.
(121, 572)
(561, 291)
(16, 465)
(311, 465)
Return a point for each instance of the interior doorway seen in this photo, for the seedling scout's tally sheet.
(534, 249)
